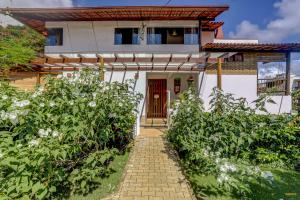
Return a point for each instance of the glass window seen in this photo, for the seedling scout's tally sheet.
(239, 57)
(172, 35)
(191, 36)
(54, 37)
(127, 36)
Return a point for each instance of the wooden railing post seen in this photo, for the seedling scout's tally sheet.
(200, 34)
(219, 74)
(38, 79)
(101, 69)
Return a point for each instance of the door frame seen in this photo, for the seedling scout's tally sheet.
(148, 95)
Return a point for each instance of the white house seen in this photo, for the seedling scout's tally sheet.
(165, 49)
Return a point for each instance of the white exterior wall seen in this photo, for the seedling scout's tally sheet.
(242, 86)
(81, 37)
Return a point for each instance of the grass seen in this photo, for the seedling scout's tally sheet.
(109, 184)
(286, 186)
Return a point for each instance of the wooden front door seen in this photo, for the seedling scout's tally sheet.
(157, 98)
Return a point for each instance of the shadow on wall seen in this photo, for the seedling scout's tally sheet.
(124, 73)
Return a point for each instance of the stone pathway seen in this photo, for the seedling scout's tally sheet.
(152, 171)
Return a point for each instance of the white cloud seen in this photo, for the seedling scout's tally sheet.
(295, 68)
(5, 20)
(35, 3)
(287, 24)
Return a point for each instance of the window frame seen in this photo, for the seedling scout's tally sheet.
(61, 32)
(132, 36)
(152, 31)
(234, 58)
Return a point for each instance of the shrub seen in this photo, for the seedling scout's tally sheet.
(59, 139)
(231, 139)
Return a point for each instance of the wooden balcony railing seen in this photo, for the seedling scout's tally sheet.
(275, 85)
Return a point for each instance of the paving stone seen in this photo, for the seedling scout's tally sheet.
(152, 172)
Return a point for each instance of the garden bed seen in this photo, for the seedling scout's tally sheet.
(233, 153)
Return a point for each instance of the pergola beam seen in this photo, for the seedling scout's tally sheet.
(288, 73)
(219, 74)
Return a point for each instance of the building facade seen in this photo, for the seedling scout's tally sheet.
(164, 49)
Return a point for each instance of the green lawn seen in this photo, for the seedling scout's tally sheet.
(287, 187)
(110, 184)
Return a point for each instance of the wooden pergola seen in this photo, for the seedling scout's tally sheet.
(128, 61)
(36, 17)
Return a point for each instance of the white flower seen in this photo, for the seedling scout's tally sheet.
(24, 112)
(51, 104)
(227, 167)
(94, 94)
(112, 115)
(4, 97)
(256, 169)
(3, 115)
(33, 143)
(55, 134)
(120, 104)
(42, 105)
(92, 104)
(21, 104)
(38, 92)
(71, 103)
(13, 117)
(43, 133)
(267, 175)
(41, 89)
(218, 153)
(223, 178)
(205, 153)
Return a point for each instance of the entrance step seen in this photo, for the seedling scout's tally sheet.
(154, 122)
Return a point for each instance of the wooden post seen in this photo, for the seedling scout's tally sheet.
(101, 69)
(38, 78)
(199, 35)
(219, 74)
(288, 73)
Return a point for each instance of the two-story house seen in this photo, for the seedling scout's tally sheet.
(165, 49)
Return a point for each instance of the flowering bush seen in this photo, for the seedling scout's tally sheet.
(232, 140)
(59, 139)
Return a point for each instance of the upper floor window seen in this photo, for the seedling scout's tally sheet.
(191, 36)
(127, 36)
(172, 36)
(54, 36)
(239, 57)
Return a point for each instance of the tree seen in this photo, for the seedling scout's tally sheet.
(18, 46)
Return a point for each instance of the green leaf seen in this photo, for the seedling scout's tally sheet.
(43, 194)
(36, 187)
